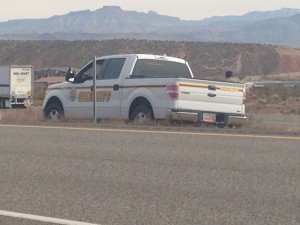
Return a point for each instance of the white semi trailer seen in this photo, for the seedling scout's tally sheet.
(16, 86)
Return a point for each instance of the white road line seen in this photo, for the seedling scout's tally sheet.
(42, 218)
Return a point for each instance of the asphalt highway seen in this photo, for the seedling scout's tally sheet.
(118, 176)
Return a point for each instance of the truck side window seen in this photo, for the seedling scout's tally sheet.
(87, 72)
(99, 68)
(84, 74)
(113, 68)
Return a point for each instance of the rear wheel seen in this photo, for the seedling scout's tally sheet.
(54, 111)
(141, 114)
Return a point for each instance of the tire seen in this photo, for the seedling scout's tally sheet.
(54, 112)
(141, 114)
(2, 103)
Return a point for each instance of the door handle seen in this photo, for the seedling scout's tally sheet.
(116, 87)
(211, 95)
(212, 87)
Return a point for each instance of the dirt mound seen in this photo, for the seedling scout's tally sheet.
(207, 60)
(290, 59)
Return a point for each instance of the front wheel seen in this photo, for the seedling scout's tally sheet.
(141, 114)
(54, 112)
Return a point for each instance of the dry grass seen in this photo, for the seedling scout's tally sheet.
(34, 114)
(282, 101)
(29, 114)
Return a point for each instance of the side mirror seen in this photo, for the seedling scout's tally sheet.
(70, 74)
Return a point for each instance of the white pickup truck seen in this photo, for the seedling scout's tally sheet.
(140, 87)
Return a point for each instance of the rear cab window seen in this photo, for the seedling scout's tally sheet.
(153, 68)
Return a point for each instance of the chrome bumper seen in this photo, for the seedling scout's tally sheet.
(235, 120)
(182, 116)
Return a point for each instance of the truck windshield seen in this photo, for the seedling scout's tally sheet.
(150, 68)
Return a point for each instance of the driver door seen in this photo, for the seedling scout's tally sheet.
(80, 95)
(108, 90)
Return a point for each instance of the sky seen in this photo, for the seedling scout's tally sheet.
(184, 9)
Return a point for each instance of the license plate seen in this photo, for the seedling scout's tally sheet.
(209, 117)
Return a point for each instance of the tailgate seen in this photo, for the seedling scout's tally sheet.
(211, 96)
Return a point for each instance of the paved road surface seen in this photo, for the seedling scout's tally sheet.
(135, 177)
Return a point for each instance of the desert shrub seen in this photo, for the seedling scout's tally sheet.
(280, 94)
(39, 94)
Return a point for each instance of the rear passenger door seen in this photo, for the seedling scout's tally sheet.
(108, 88)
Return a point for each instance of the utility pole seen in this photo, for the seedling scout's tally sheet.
(95, 92)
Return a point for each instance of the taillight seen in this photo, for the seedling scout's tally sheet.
(173, 90)
(244, 96)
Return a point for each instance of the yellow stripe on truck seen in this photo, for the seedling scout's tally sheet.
(221, 88)
(132, 86)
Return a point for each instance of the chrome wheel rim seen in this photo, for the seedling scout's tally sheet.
(140, 117)
(54, 115)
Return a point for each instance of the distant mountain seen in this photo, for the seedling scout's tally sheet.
(254, 16)
(109, 19)
(111, 22)
(279, 31)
